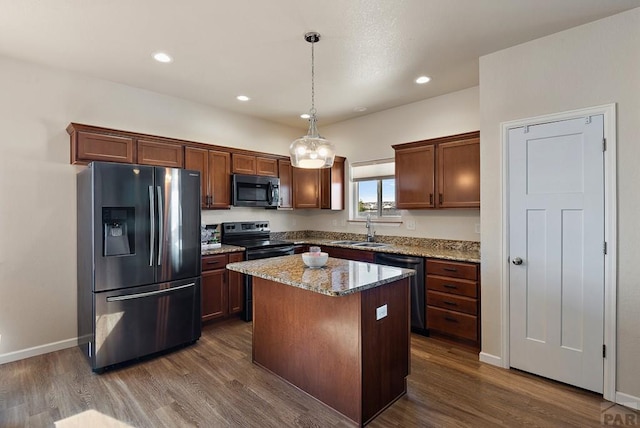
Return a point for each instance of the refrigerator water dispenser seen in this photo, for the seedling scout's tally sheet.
(117, 231)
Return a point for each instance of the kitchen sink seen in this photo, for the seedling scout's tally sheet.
(346, 242)
(370, 244)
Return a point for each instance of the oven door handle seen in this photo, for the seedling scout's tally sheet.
(269, 252)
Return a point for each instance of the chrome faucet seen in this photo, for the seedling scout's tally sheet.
(371, 234)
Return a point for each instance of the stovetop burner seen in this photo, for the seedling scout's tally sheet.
(250, 234)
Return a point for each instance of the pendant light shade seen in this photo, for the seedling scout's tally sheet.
(312, 151)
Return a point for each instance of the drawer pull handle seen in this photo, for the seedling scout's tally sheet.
(450, 303)
(453, 287)
(450, 269)
(213, 262)
(450, 319)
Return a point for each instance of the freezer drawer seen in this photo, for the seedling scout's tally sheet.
(140, 321)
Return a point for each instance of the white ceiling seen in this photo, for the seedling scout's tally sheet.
(370, 53)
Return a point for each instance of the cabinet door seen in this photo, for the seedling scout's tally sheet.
(459, 174)
(160, 154)
(219, 179)
(306, 188)
(214, 294)
(266, 166)
(286, 194)
(236, 286)
(89, 146)
(415, 177)
(332, 186)
(198, 160)
(243, 164)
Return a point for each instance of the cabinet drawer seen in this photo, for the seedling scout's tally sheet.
(462, 287)
(452, 269)
(452, 302)
(217, 261)
(453, 323)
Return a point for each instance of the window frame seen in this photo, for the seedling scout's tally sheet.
(378, 179)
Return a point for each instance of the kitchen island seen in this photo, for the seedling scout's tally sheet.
(339, 333)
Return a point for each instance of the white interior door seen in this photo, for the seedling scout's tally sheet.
(556, 245)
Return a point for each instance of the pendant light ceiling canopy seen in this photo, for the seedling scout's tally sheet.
(312, 151)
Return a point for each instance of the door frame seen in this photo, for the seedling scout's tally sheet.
(610, 232)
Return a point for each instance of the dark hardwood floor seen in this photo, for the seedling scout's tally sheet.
(214, 384)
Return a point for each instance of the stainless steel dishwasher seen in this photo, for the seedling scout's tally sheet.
(418, 315)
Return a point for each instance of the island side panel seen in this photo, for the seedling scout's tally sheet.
(385, 346)
(312, 341)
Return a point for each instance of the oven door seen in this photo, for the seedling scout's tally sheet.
(262, 253)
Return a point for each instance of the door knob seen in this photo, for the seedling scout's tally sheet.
(517, 261)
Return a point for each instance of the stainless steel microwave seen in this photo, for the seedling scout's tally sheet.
(255, 191)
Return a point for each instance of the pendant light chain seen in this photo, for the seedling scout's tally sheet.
(313, 79)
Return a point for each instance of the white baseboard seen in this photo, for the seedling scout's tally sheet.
(37, 350)
(628, 400)
(491, 359)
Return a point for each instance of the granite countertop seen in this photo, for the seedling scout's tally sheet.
(337, 278)
(222, 250)
(461, 255)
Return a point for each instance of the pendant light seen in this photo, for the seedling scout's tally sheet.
(312, 151)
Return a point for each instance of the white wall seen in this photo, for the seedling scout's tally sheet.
(371, 137)
(590, 65)
(37, 184)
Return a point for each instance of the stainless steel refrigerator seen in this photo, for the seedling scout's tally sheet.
(138, 261)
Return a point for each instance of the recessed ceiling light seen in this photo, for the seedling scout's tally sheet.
(162, 57)
(305, 115)
(423, 79)
(242, 98)
(360, 109)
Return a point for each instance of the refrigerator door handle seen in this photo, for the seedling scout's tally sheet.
(152, 219)
(147, 294)
(160, 225)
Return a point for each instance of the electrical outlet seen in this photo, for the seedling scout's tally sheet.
(334, 222)
(411, 225)
(381, 312)
(477, 227)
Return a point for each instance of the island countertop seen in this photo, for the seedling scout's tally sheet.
(337, 278)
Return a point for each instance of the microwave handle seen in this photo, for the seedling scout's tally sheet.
(270, 193)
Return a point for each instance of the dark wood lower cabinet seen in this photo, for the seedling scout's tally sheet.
(222, 290)
(453, 300)
(335, 348)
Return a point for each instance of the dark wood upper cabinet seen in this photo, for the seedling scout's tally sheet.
(91, 146)
(319, 188)
(243, 164)
(286, 190)
(306, 188)
(254, 165)
(160, 154)
(332, 186)
(215, 178)
(415, 177)
(450, 165)
(198, 160)
(220, 179)
(266, 166)
(459, 174)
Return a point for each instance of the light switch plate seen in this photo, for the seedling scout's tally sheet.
(381, 312)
